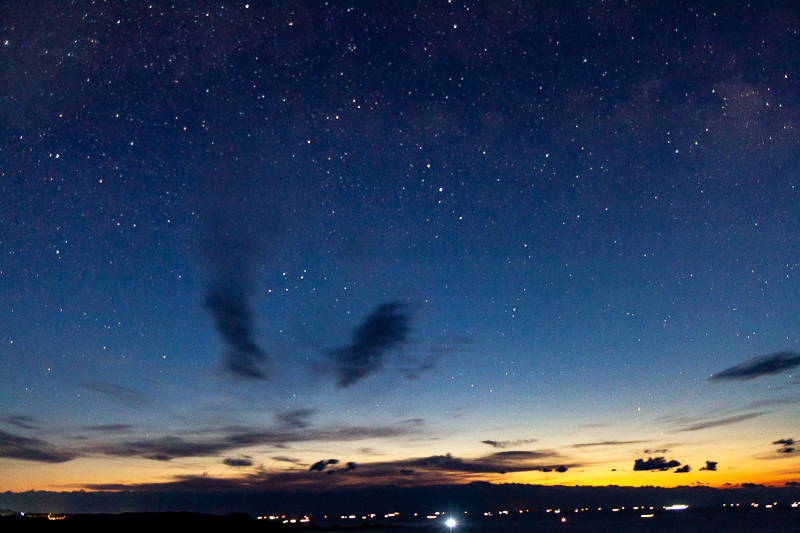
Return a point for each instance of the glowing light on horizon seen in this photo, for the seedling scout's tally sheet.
(677, 507)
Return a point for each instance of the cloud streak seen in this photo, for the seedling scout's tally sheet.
(125, 395)
(720, 422)
(608, 443)
(21, 421)
(228, 302)
(240, 227)
(496, 463)
(382, 331)
(30, 449)
(415, 471)
(507, 443)
(297, 418)
(170, 447)
(766, 365)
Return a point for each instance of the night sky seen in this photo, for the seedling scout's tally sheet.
(310, 244)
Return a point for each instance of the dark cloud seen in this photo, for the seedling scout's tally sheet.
(285, 459)
(29, 449)
(792, 483)
(433, 470)
(711, 466)
(496, 463)
(787, 445)
(125, 395)
(228, 301)
(654, 463)
(238, 462)
(662, 450)
(720, 422)
(298, 418)
(383, 330)
(507, 443)
(21, 421)
(610, 443)
(161, 449)
(683, 470)
(772, 402)
(242, 224)
(765, 365)
(322, 465)
(349, 467)
(170, 447)
(111, 428)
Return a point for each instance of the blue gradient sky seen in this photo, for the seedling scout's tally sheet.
(577, 214)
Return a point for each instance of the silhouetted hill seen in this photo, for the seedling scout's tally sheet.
(476, 497)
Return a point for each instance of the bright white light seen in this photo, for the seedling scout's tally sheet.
(450, 523)
(678, 507)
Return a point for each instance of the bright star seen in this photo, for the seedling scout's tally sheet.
(450, 523)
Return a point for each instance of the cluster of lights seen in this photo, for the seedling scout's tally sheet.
(451, 523)
(285, 520)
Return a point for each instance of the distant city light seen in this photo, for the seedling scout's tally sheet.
(677, 507)
(450, 523)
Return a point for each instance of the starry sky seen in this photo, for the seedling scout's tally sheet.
(309, 244)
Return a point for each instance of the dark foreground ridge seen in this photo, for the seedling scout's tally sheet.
(144, 522)
(373, 503)
(707, 520)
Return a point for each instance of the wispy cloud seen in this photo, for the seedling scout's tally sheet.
(609, 443)
(284, 459)
(720, 422)
(766, 365)
(21, 421)
(125, 395)
(168, 447)
(435, 469)
(383, 330)
(771, 402)
(111, 428)
(496, 463)
(297, 418)
(228, 302)
(507, 443)
(240, 227)
(30, 449)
